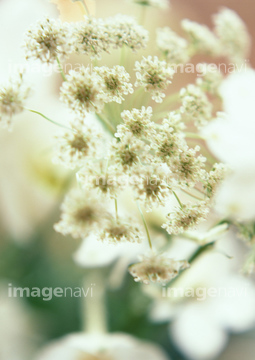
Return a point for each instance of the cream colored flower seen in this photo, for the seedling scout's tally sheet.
(233, 34)
(81, 212)
(48, 40)
(202, 39)
(210, 79)
(12, 98)
(173, 46)
(81, 91)
(154, 76)
(116, 83)
(186, 217)
(157, 269)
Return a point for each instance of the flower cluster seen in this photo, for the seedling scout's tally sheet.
(154, 76)
(48, 40)
(157, 268)
(173, 46)
(195, 105)
(232, 32)
(202, 39)
(186, 217)
(12, 98)
(210, 80)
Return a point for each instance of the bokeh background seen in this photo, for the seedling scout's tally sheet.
(32, 188)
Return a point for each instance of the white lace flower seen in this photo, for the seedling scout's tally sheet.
(233, 34)
(125, 31)
(173, 46)
(107, 181)
(115, 83)
(214, 178)
(154, 76)
(153, 185)
(81, 212)
(157, 269)
(210, 79)
(129, 151)
(202, 39)
(188, 167)
(195, 105)
(121, 231)
(48, 40)
(91, 37)
(137, 122)
(186, 217)
(76, 146)
(12, 97)
(81, 91)
(173, 123)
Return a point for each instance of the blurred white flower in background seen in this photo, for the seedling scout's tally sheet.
(102, 347)
(200, 324)
(231, 139)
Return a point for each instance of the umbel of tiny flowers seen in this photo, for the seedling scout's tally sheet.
(137, 122)
(214, 178)
(121, 230)
(154, 76)
(106, 181)
(81, 92)
(91, 37)
(82, 211)
(186, 217)
(12, 98)
(48, 40)
(115, 83)
(152, 187)
(76, 146)
(195, 105)
(202, 39)
(174, 47)
(157, 269)
(125, 31)
(233, 35)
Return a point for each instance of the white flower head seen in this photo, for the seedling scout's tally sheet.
(91, 37)
(120, 230)
(157, 269)
(210, 79)
(107, 182)
(153, 185)
(129, 151)
(173, 123)
(214, 178)
(81, 92)
(173, 46)
(154, 76)
(115, 83)
(195, 105)
(12, 98)
(48, 40)
(126, 31)
(186, 218)
(137, 122)
(188, 167)
(76, 146)
(233, 34)
(202, 39)
(81, 212)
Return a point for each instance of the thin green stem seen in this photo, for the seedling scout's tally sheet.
(179, 201)
(61, 70)
(194, 136)
(116, 209)
(143, 15)
(192, 195)
(145, 225)
(45, 117)
(106, 123)
(83, 2)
